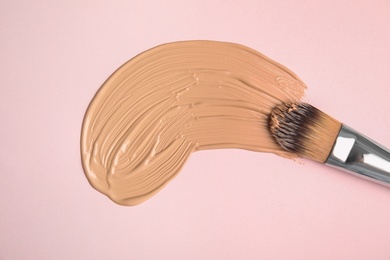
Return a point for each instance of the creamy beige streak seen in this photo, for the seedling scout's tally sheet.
(174, 99)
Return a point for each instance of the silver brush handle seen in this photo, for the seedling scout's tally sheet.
(360, 156)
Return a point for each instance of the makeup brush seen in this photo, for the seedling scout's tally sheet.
(310, 133)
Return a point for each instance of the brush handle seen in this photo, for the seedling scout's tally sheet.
(361, 156)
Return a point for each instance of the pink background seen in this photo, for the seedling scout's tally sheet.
(226, 204)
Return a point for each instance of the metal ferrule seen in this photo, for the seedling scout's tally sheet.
(360, 156)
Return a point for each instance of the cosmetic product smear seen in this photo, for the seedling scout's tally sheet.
(172, 100)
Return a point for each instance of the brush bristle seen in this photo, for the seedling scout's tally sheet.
(305, 130)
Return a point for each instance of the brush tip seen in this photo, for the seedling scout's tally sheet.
(302, 129)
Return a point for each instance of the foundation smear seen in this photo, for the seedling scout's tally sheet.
(172, 100)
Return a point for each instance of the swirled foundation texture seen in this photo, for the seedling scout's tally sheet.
(172, 100)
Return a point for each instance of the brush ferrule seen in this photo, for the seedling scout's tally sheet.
(361, 156)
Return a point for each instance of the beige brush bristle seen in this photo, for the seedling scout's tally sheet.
(305, 130)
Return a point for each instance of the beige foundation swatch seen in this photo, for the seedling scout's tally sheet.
(172, 100)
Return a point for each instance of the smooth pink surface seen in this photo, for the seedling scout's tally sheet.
(226, 204)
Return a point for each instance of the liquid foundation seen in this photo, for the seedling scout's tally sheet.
(172, 100)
